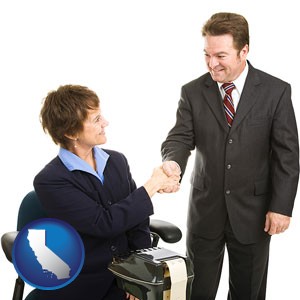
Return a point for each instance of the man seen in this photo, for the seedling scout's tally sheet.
(246, 167)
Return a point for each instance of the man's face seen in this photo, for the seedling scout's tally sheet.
(224, 62)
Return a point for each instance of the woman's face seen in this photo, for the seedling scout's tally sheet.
(93, 132)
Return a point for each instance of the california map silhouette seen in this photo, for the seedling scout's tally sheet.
(49, 261)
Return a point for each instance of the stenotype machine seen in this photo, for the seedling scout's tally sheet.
(154, 274)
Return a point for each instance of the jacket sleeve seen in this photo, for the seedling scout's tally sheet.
(180, 140)
(284, 156)
(139, 237)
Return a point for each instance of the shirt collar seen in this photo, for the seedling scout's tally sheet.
(74, 162)
(238, 82)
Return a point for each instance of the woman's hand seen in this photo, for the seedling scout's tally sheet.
(131, 297)
(160, 182)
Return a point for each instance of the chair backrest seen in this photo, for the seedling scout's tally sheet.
(30, 210)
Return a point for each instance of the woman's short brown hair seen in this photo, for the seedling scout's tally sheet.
(64, 111)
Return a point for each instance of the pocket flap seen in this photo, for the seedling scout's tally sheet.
(261, 187)
(197, 182)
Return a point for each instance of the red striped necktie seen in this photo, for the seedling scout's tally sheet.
(228, 102)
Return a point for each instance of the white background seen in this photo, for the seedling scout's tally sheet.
(136, 55)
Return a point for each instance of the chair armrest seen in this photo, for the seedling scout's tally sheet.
(167, 231)
(7, 242)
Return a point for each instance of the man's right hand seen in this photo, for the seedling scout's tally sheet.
(171, 168)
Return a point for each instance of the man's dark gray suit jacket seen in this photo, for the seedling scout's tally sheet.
(242, 172)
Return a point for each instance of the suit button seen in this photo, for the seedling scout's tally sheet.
(227, 192)
(228, 167)
(109, 202)
(230, 141)
(113, 248)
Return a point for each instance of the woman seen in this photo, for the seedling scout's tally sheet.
(92, 189)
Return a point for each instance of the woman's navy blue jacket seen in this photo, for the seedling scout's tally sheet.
(111, 219)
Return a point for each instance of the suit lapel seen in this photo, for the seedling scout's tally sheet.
(248, 98)
(214, 100)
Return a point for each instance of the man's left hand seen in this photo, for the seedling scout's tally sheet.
(276, 223)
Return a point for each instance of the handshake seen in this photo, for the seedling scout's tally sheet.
(164, 179)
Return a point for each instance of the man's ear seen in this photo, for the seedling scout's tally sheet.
(244, 52)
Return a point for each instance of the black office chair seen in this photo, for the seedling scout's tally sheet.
(31, 209)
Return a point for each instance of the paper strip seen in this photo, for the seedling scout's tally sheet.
(178, 276)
